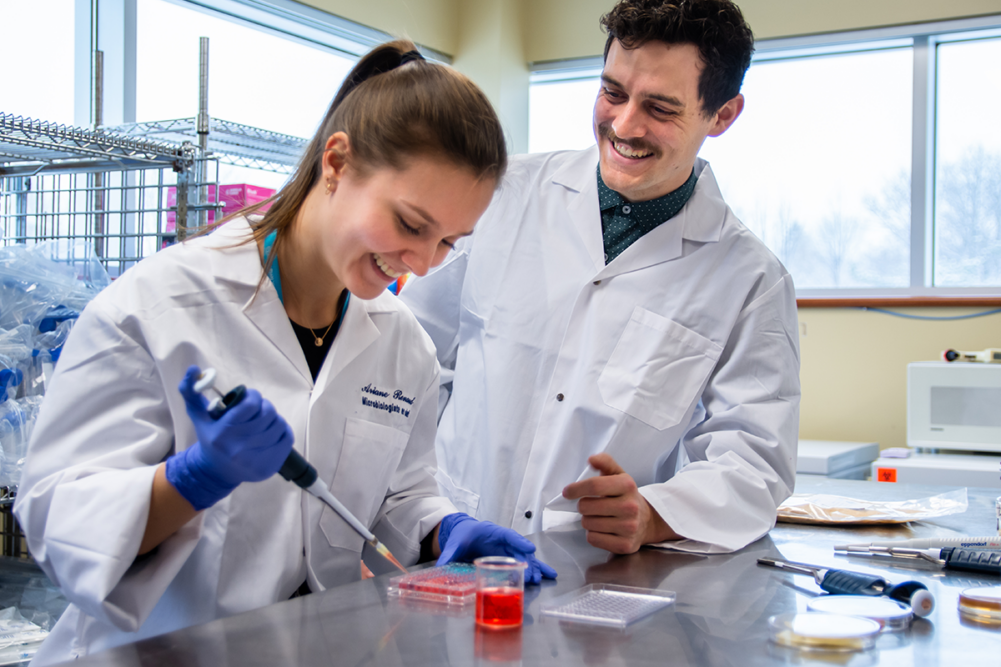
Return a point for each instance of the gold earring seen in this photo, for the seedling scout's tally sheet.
(328, 187)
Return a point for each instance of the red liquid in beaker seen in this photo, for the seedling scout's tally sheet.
(499, 607)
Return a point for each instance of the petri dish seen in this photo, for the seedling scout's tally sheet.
(452, 584)
(608, 604)
(816, 631)
(890, 614)
(981, 604)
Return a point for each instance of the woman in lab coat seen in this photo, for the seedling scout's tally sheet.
(150, 515)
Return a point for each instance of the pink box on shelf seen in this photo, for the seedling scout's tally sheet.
(235, 197)
(172, 203)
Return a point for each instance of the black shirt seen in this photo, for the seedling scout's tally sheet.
(315, 354)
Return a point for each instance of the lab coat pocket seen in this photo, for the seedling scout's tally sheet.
(657, 369)
(369, 455)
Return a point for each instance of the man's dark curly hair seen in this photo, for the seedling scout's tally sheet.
(715, 27)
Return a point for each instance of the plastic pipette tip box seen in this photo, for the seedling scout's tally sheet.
(608, 604)
(815, 631)
(452, 584)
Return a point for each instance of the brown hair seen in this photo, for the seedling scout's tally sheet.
(715, 27)
(394, 105)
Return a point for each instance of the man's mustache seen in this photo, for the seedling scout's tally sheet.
(605, 130)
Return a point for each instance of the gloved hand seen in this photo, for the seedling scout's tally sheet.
(248, 443)
(463, 538)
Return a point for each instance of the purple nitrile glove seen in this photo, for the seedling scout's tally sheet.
(463, 538)
(248, 443)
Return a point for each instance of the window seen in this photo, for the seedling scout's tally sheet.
(571, 99)
(968, 165)
(866, 161)
(818, 166)
(273, 65)
(36, 45)
(256, 78)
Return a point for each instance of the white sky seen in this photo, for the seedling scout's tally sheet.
(969, 86)
(36, 47)
(817, 133)
(560, 115)
(255, 78)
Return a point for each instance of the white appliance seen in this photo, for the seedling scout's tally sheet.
(954, 406)
(839, 460)
(947, 469)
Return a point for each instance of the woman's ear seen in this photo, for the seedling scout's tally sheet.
(335, 158)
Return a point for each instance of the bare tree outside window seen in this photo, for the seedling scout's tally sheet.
(968, 251)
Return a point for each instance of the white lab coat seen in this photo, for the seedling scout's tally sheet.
(113, 412)
(681, 354)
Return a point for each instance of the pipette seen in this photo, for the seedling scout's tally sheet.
(963, 542)
(991, 355)
(846, 582)
(296, 469)
(949, 558)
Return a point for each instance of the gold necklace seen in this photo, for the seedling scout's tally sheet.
(319, 339)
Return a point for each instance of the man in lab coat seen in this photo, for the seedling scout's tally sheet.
(616, 347)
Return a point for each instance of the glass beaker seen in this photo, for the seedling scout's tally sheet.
(500, 592)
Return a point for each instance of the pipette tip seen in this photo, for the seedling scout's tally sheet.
(385, 553)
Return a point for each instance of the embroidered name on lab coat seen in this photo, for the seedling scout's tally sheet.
(386, 405)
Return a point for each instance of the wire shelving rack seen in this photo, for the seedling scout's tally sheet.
(108, 189)
(232, 143)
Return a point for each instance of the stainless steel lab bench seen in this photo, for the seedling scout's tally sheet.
(720, 616)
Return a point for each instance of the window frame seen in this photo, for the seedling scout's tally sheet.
(110, 25)
(923, 39)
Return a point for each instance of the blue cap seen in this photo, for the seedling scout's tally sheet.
(9, 377)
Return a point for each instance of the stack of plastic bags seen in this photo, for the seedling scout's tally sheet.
(20, 639)
(43, 289)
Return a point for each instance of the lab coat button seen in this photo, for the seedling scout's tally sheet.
(559, 397)
(528, 514)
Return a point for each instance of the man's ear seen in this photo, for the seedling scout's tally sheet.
(726, 115)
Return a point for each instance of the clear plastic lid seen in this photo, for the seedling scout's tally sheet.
(607, 604)
(981, 604)
(452, 584)
(815, 631)
(890, 614)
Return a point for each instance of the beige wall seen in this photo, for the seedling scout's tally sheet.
(783, 18)
(559, 29)
(491, 53)
(854, 367)
(433, 23)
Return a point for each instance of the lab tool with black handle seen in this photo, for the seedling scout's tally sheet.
(846, 582)
(297, 469)
(951, 558)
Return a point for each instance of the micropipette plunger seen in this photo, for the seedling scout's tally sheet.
(296, 469)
